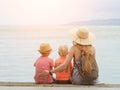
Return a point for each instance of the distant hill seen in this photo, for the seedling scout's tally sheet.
(97, 22)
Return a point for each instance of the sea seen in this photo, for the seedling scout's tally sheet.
(19, 50)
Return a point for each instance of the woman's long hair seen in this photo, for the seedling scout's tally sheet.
(87, 68)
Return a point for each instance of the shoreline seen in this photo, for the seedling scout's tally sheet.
(32, 84)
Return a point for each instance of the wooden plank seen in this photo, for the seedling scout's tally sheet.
(55, 85)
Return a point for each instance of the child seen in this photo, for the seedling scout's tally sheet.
(63, 76)
(43, 63)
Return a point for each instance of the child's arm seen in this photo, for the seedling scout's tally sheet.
(34, 64)
(51, 65)
(55, 65)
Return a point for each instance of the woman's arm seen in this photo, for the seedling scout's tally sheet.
(60, 67)
(65, 64)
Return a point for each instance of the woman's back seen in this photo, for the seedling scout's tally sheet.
(85, 63)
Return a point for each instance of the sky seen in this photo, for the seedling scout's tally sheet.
(56, 12)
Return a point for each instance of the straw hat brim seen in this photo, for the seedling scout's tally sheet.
(88, 41)
(44, 52)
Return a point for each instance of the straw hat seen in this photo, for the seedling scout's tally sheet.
(82, 36)
(45, 48)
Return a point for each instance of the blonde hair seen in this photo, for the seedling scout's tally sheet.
(63, 50)
(87, 68)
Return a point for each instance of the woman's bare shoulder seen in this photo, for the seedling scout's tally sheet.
(93, 50)
(73, 48)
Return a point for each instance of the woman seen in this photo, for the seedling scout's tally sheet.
(85, 69)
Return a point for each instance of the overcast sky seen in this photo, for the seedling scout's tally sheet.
(54, 12)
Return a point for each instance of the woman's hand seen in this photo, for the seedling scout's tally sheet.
(44, 73)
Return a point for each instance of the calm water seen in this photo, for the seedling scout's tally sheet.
(19, 45)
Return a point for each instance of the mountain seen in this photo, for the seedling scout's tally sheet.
(97, 22)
